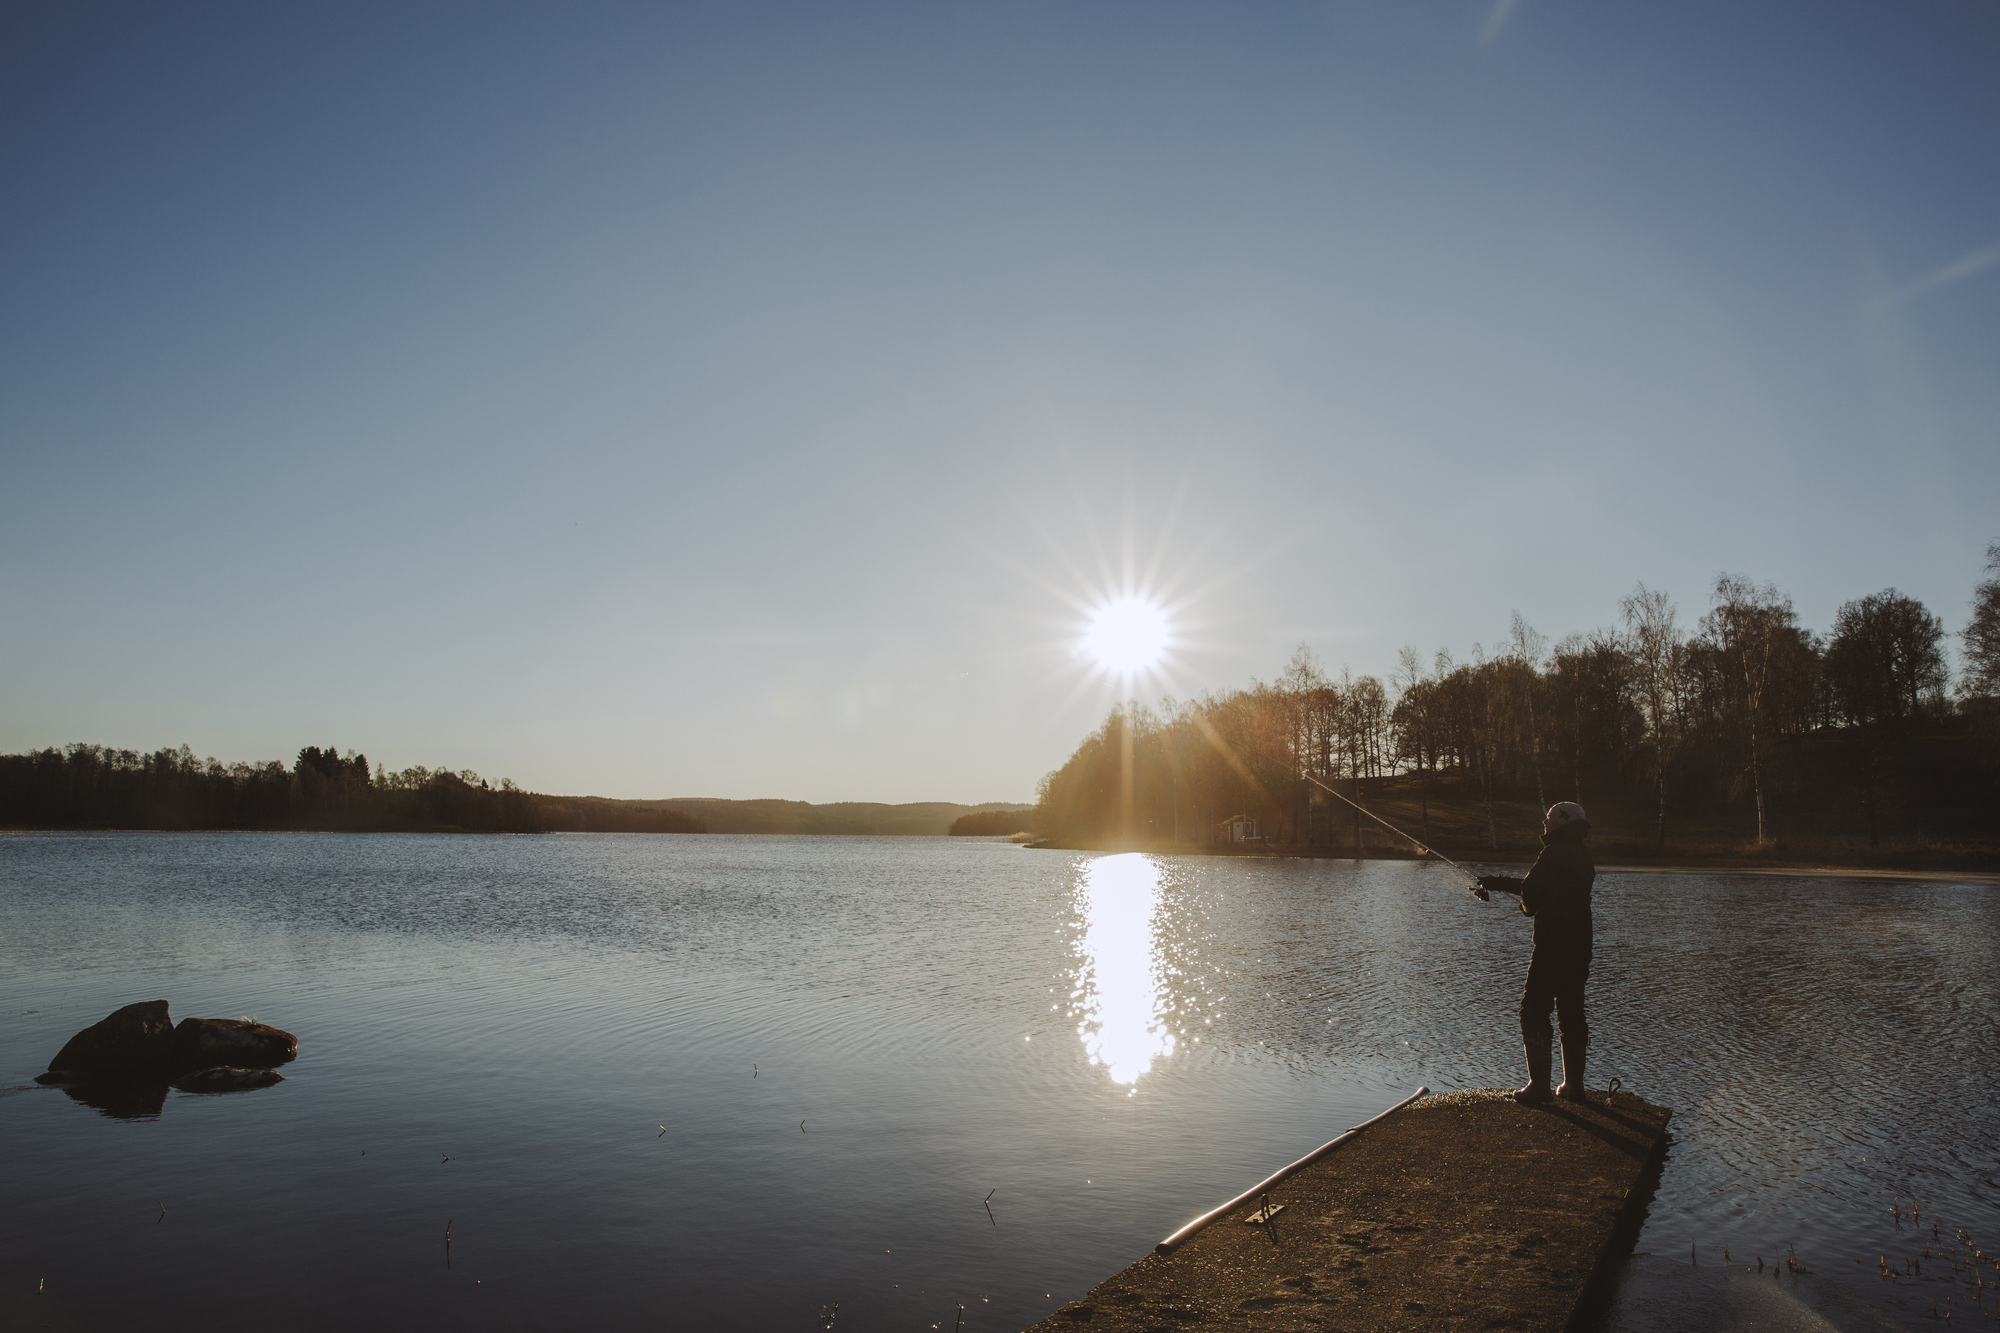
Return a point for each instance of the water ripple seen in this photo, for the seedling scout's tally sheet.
(1111, 1042)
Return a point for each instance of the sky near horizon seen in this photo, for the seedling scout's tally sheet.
(742, 400)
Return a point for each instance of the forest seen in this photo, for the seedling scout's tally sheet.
(998, 823)
(918, 819)
(91, 786)
(1742, 734)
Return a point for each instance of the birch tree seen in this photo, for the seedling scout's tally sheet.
(1746, 624)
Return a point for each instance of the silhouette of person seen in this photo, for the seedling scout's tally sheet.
(1556, 893)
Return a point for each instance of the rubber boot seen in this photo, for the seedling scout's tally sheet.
(1538, 1071)
(1572, 1088)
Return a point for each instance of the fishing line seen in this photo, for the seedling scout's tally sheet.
(1472, 888)
(1420, 846)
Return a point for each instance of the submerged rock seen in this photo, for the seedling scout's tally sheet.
(207, 1043)
(225, 1078)
(136, 1042)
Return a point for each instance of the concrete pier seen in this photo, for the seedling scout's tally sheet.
(1459, 1211)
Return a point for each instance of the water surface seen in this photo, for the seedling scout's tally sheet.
(591, 1057)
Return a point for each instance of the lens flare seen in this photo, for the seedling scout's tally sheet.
(1127, 636)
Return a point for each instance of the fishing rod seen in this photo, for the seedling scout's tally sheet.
(1474, 888)
(1398, 832)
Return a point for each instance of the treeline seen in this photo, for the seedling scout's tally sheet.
(993, 823)
(850, 818)
(1743, 728)
(91, 786)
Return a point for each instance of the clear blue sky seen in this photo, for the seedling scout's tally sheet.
(668, 400)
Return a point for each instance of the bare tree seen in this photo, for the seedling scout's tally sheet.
(1747, 623)
(1415, 722)
(1569, 659)
(1526, 647)
(1353, 744)
(1656, 650)
(1312, 725)
(1982, 634)
(1475, 701)
(1369, 707)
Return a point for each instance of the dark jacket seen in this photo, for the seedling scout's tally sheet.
(1556, 889)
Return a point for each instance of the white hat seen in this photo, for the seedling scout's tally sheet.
(1565, 812)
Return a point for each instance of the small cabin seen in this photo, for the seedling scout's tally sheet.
(1237, 828)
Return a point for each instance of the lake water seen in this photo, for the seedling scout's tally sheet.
(721, 1082)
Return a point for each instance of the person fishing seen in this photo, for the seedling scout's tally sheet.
(1556, 893)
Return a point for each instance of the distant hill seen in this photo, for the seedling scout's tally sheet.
(602, 814)
(920, 819)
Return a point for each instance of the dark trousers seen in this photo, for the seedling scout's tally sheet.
(1556, 977)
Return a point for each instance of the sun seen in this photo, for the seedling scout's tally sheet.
(1127, 636)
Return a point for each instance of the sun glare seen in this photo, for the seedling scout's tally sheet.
(1127, 636)
(1122, 1018)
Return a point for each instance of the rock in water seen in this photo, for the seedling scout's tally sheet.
(136, 1042)
(207, 1043)
(226, 1079)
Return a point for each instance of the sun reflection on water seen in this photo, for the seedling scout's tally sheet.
(1119, 987)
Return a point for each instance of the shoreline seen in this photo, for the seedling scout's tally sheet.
(1504, 857)
(1511, 858)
